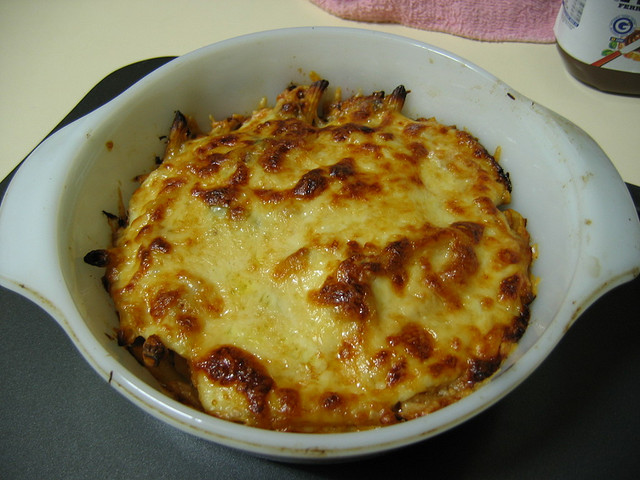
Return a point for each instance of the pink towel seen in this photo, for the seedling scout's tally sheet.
(489, 20)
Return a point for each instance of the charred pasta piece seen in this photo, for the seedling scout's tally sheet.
(321, 266)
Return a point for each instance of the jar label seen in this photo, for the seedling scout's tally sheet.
(602, 33)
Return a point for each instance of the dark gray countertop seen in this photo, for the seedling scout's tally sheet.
(577, 416)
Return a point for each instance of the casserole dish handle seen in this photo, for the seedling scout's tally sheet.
(28, 221)
(610, 228)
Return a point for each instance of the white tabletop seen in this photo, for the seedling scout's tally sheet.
(53, 52)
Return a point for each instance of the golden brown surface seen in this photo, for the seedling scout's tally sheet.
(322, 271)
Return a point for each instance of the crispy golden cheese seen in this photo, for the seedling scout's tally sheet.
(316, 272)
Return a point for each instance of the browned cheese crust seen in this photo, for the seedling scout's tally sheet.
(315, 272)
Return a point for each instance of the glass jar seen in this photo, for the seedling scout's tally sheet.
(599, 41)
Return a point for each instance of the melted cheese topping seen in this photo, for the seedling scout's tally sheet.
(323, 272)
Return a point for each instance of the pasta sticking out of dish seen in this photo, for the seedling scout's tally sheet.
(321, 266)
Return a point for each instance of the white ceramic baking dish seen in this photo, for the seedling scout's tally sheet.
(580, 214)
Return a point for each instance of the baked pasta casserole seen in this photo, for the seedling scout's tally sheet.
(320, 265)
